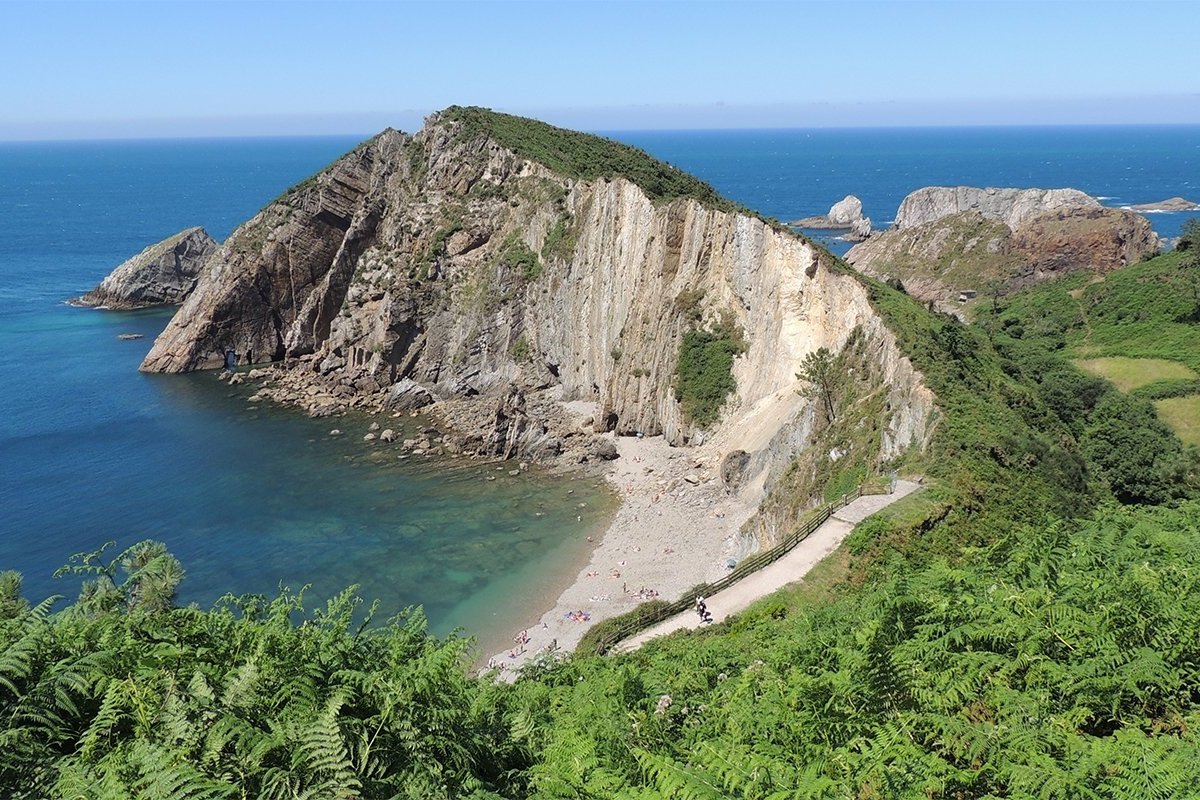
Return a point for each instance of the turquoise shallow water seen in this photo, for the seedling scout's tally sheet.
(248, 497)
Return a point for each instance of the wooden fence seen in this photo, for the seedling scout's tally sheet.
(652, 613)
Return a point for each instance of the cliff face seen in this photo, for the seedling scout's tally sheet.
(950, 240)
(449, 261)
(1010, 206)
(162, 274)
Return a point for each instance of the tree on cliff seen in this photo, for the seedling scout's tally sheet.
(1189, 236)
(818, 371)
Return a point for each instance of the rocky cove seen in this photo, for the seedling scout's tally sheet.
(487, 273)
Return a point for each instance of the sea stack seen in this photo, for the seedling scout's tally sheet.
(163, 274)
(846, 214)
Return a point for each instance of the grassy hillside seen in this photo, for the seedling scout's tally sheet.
(1138, 327)
(1148, 310)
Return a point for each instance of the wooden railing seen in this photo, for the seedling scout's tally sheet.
(651, 613)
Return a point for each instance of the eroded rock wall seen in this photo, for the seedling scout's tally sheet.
(447, 262)
(1010, 206)
(163, 274)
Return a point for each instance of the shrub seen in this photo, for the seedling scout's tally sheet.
(704, 377)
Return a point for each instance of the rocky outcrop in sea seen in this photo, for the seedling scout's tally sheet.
(846, 214)
(163, 274)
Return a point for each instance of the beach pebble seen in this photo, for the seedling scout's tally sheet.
(374, 426)
(370, 437)
(514, 472)
(491, 477)
(335, 432)
(388, 435)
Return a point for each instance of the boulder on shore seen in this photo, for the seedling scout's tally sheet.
(408, 395)
(162, 274)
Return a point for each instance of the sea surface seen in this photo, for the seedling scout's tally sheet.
(795, 174)
(252, 497)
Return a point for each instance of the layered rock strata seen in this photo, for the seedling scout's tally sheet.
(163, 274)
(1010, 206)
(448, 267)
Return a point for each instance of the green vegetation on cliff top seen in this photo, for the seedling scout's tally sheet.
(585, 156)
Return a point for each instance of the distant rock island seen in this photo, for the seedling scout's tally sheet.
(1171, 204)
(163, 274)
(846, 214)
(949, 244)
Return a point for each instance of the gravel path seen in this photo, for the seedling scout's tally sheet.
(788, 569)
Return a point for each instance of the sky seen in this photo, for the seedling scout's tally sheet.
(270, 67)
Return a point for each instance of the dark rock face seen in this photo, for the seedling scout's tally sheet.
(280, 279)
(1096, 239)
(162, 274)
(733, 469)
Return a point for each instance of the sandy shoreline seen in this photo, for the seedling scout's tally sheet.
(675, 527)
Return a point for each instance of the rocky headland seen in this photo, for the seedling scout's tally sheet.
(477, 265)
(950, 244)
(844, 215)
(163, 274)
(531, 290)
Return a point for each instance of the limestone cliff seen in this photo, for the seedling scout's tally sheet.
(490, 263)
(1010, 206)
(162, 274)
(949, 244)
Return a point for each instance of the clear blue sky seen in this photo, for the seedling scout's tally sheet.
(94, 69)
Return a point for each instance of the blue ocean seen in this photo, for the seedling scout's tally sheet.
(249, 497)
